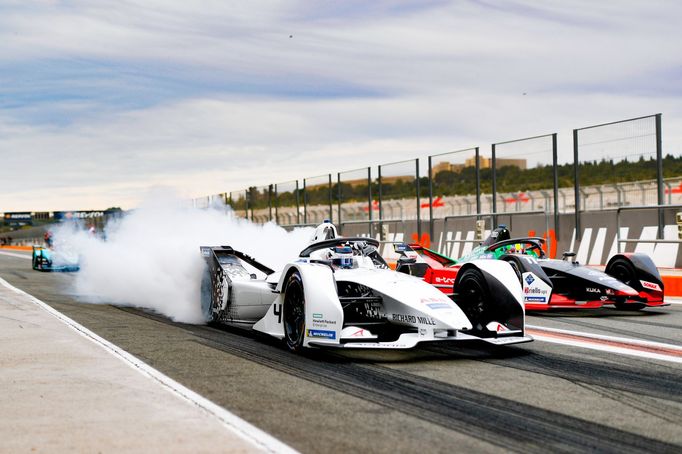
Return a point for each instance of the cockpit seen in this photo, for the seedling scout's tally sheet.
(346, 253)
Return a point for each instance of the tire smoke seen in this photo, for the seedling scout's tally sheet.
(150, 257)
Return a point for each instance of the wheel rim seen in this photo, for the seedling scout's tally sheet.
(294, 315)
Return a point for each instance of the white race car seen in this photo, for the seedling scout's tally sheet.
(340, 293)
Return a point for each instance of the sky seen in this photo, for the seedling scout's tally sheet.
(102, 102)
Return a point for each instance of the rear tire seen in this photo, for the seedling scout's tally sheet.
(207, 296)
(294, 313)
(473, 296)
(623, 270)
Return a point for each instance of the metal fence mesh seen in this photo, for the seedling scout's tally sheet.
(317, 199)
(453, 183)
(354, 195)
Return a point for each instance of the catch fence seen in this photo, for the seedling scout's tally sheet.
(613, 165)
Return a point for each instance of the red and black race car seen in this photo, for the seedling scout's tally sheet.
(630, 281)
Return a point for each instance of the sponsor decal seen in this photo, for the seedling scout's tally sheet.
(592, 290)
(535, 299)
(603, 298)
(436, 303)
(323, 323)
(439, 306)
(66, 215)
(318, 316)
(444, 280)
(321, 333)
(608, 278)
(359, 333)
(426, 320)
(422, 332)
(404, 318)
(422, 320)
(530, 279)
(19, 216)
(535, 290)
(651, 286)
(609, 291)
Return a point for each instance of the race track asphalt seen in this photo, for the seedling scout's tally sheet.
(535, 397)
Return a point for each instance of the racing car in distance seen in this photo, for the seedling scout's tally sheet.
(340, 293)
(630, 281)
(48, 259)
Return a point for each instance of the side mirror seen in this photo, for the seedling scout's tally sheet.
(568, 255)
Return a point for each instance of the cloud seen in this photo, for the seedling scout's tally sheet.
(101, 101)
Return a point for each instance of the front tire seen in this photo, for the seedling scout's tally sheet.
(473, 296)
(623, 270)
(294, 313)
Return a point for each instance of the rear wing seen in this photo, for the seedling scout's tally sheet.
(433, 255)
(216, 252)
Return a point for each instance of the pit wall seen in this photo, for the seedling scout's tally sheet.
(594, 246)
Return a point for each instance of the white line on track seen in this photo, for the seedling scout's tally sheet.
(14, 254)
(242, 428)
(611, 344)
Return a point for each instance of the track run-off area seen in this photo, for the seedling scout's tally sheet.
(604, 380)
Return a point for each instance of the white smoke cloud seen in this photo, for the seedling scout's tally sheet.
(150, 258)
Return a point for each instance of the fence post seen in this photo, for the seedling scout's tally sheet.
(305, 203)
(659, 175)
(430, 199)
(270, 203)
(478, 184)
(331, 200)
(276, 205)
(369, 195)
(494, 172)
(556, 184)
(576, 176)
(298, 206)
(419, 208)
(381, 205)
(338, 184)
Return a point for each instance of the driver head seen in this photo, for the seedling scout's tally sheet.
(341, 257)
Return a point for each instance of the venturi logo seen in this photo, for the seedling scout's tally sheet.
(530, 279)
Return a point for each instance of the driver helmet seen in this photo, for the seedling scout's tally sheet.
(342, 257)
(501, 233)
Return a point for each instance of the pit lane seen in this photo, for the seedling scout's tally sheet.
(532, 398)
